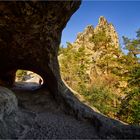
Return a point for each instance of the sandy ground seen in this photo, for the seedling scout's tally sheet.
(39, 116)
(46, 119)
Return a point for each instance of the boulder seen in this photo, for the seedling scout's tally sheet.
(8, 110)
(8, 102)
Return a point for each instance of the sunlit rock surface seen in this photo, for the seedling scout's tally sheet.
(29, 81)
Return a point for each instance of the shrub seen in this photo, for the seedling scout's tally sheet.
(103, 99)
(130, 107)
(20, 74)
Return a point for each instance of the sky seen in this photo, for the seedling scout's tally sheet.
(124, 15)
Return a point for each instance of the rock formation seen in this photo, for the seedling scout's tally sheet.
(89, 31)
(85, 39)
(30, 34)
(8, 109)
(109, 29)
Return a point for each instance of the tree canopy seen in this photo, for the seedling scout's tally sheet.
(109, 82)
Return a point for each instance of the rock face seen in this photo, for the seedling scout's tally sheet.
(89, 31)
(85, 39)
(30, 33)
(109, 29)
(8, 109)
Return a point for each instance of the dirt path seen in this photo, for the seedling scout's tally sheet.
(43, 118)
(35, 114)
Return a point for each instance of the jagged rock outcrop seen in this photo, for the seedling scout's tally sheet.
(85, 39)
(8, 102)
(89, 31)
(30, 34)
(109, 29)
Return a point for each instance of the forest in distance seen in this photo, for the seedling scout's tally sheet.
(99, 70)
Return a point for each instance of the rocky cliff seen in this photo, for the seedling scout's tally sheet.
(89, 31)
(86, 37)
(30, 34)
(109, 30)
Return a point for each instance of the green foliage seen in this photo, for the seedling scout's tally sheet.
(113, 85)
(109, 54)
(101, 40)
(130, 107)
(134, 80)
(101, 97)
(20, 74)
(132, 45)
(138, 33)
(73, 66)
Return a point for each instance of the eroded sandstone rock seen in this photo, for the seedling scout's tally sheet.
(30, 34)
(109, 29)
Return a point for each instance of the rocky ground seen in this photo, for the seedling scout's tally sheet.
(30, 35)
(44, 118)
(28, 111)
(34, 114)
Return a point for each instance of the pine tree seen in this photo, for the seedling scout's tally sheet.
(130, 106)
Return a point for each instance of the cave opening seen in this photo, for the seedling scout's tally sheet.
(27, 80)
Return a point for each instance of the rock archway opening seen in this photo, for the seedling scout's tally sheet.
(28, 80)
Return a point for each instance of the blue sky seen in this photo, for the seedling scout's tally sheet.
(125, 16)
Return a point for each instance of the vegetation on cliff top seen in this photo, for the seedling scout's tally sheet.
(109, 82)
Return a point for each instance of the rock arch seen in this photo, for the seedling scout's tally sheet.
(30, 34)
(28, 80)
